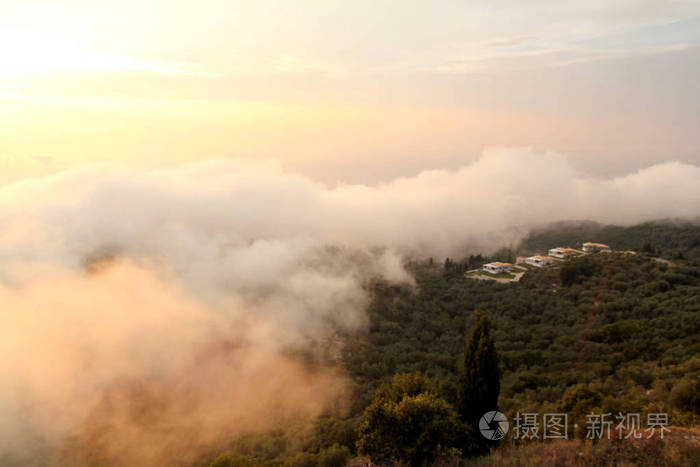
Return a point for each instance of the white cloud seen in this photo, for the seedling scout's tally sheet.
(223, 269)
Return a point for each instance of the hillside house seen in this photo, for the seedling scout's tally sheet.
(591, 247)
(539, 261)
(497, 268)
(562, 252)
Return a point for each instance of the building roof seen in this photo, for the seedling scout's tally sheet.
(498, 264)
(539, 257)
(563, 251)
(597, 245)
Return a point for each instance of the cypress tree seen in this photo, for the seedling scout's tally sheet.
(479, 383)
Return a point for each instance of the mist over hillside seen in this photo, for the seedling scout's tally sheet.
(308, 233)
(155, 305)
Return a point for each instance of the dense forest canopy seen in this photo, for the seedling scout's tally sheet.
(624, 317)
(668, 239)
(605, 332)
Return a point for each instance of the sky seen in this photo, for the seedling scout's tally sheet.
(347, 92)
(245, 169)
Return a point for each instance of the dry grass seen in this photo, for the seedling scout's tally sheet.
(679, 448)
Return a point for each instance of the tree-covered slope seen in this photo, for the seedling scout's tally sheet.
(626, 326)
(606, 332)
(665, 238)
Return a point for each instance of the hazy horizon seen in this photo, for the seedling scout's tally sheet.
(355, 93)
(195, 197)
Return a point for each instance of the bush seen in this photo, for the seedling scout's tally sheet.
(686, 395)
(334, 456)
(402, 424)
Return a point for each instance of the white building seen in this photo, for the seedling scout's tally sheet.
(591, 247)
(562, 252)
(497, 268)
(539, 261)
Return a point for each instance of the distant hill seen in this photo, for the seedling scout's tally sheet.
(666, 238)
(601, 333)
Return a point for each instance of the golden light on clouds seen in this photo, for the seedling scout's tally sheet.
(32, 54)
(246, 170)
(354, 92)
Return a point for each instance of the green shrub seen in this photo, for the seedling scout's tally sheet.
(686, 395)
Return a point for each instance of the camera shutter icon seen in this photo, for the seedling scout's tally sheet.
(493, 425)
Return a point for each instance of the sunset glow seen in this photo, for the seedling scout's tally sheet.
(162, 83)
(342, 233)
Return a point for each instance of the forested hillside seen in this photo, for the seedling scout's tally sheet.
(679, 239)
(622, 324)
(606, 332)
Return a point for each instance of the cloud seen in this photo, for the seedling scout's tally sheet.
(42, 53)
(116, 367)
(173, 305)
